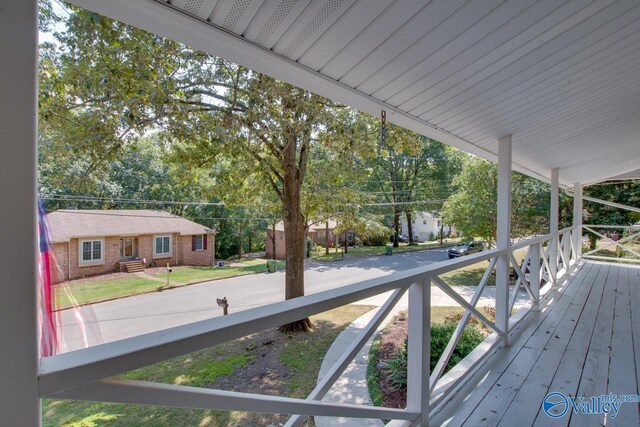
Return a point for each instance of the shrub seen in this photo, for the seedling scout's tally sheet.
(441, 333)
(488, 311)
(396, 366)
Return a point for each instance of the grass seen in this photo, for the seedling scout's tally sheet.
(192, 274)
(303, 353)
(94, 291)
(102, 290)
(472, 274)
(319, 252)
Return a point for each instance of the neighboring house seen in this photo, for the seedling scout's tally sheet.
(89, 242)
(317, 233)
(423, 225)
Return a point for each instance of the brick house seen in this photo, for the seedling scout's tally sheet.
(90, 242)
(317, 233)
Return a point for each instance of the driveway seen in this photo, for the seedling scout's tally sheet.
(131, 316)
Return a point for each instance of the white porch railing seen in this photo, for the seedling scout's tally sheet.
(88, 374)
(629, 254)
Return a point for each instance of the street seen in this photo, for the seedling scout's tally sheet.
(135, 315)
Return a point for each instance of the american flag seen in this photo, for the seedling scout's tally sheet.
(46, 304)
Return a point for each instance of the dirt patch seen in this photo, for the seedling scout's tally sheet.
(265, 374)
(391, 339)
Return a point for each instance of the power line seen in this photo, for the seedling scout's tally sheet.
(120, 200)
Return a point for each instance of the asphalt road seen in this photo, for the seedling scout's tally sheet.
(126, 317)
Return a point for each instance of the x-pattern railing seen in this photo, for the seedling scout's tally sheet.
(88, 374)
(616, 243)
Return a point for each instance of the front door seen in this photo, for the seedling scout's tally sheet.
(127, 249)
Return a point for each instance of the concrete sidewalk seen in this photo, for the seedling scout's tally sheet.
(351, 387)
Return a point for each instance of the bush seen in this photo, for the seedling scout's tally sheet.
(488, 311)
(379, 240)
(441, 333)
(432, 236)
(396, 366)
(621, 253)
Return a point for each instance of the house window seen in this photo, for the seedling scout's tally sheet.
(424, 222)
(162, 246)
(90, 251)
(198, 243)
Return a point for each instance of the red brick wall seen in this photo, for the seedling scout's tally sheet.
(111, 255)
(60, 272)
(190, 257)
(280, 245)
(145, 250)
(180, 253)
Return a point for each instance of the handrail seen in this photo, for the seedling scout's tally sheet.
(531, 241)
(75, 368)
(87, 373)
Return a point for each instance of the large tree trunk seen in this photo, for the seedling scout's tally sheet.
(241, 243)
(295, 231)
(409, 227)
(346, 244)
(441, 229)
(396, 228)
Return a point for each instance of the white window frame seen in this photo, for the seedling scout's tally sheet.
(92, 261)
(202, 237)
(157, 254)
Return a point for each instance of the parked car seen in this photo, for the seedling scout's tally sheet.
(401, 238)
(466, 248)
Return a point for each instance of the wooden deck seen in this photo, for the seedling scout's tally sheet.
(584, 342)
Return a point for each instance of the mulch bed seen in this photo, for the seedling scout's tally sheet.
(391, 339)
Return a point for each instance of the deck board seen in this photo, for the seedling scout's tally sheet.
(622, 369)
(585, 342)
(550, 313)
(634, 293)
(546, 365)
(593, 378)
(498, 399)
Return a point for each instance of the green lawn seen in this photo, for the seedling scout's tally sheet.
(102, 290)
(189, 274)
(472, 274)
(319, 253)
(302, 353)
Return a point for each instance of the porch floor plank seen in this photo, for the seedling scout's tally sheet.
(622, 368)
(584, 342)
(545, 367)
(550, 314)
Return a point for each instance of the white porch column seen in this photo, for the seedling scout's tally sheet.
(503, 235)
(577, 219)
(553, 223)
(19, 402)
(418, 360)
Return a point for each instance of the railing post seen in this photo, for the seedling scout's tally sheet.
(577, 220)
(418, 345)
(19, 402)
(553, 223)
(534, 274)
(503, 236)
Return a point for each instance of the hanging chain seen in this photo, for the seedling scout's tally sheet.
(383, 128)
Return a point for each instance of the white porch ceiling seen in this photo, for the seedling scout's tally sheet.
(563, 77)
